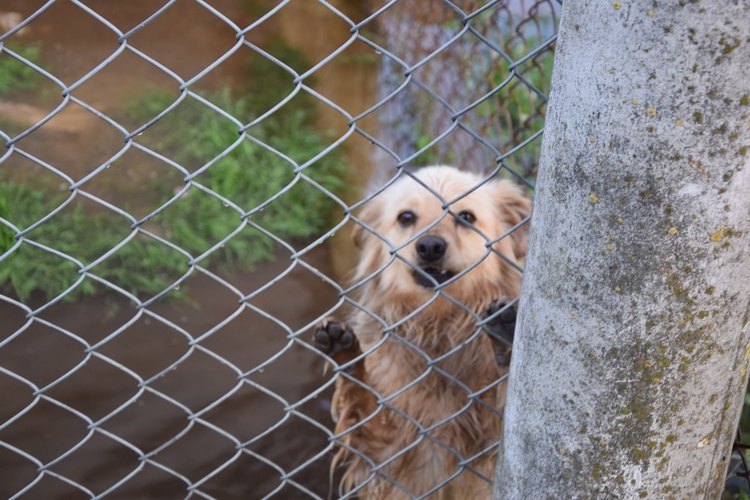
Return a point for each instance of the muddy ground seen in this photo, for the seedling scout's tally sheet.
(152, 342)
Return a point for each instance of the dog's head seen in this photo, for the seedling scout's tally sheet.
(444, 229)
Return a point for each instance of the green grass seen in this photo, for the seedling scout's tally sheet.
(191, 135)
(15, 75)
(247, 176)
(82, 234)
(269, 83)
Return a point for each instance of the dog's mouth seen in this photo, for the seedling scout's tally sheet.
(439, 275)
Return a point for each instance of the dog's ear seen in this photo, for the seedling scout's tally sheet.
(514, 207)
(369, 216)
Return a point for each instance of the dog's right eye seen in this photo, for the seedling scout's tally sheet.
(407, 218)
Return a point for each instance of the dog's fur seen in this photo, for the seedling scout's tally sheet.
(433, 415)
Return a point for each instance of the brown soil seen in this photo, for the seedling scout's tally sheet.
(107, 388)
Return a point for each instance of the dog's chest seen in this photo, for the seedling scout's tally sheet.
(432, 392)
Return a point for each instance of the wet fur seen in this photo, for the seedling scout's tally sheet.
(471, 427)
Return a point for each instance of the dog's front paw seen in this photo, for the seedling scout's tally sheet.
(501, 328)
(332, 337)
(502, 325)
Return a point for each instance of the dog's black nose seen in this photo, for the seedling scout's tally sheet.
(431, 248)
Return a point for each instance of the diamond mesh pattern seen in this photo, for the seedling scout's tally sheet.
(200, 378)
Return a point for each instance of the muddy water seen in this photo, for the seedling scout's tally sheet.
(146, 387)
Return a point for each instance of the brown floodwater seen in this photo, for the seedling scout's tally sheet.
(201, 385)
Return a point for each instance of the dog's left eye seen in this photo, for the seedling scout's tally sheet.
(467, 216)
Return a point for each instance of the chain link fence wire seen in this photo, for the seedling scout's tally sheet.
(173, 179)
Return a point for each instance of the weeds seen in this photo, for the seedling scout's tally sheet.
(508, 117)
(516, 112)
(240, 180)
(247, 176)
(84, 236)
(16, 75)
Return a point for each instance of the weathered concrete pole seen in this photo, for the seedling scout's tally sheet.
(632, 346)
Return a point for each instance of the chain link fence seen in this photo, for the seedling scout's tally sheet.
(174, 184)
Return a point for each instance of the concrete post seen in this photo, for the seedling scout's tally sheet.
(631, 353)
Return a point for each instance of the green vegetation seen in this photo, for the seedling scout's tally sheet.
(15, 75)
(270, 83)
(141, 266)
(516, 112)
(745, 418)
(510, 116)
(247, 176)
(736, 487)
(243, 175)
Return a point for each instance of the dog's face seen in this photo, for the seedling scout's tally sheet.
(445, 242)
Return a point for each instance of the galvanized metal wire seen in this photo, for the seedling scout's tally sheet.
(430, 54)
(451, 78)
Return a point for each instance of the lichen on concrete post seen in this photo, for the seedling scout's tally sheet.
(632, 344)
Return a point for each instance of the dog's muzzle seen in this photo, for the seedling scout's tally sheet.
(431, 250)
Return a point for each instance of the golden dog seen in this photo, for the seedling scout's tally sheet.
(420, 392)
